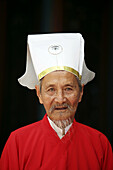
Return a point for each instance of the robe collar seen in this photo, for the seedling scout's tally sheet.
(58, 130)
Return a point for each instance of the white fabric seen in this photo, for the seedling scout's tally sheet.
(41, 56)
(58, 130)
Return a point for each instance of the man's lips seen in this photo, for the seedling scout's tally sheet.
(64, 107)
(60, 108)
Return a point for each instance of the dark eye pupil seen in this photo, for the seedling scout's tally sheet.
(55, 47)
(68, 88)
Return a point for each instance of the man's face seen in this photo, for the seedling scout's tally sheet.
(60, 95)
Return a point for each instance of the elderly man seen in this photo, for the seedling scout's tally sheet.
(56, 69)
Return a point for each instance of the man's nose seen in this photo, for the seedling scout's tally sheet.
(60, 98)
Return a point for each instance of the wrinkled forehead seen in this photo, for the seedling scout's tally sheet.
(60, 76)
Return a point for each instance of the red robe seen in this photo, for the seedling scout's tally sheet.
(38, 147)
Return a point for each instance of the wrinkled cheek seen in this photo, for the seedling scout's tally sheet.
(47, 104)
(74, 103)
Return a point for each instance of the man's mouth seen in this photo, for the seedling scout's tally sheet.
(61, 108)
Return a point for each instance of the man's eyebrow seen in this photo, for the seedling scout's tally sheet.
(49, 84)
(69, 84)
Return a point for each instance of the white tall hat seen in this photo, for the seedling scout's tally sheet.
(50, 52)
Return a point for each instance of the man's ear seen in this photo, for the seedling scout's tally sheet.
(81, 93)
(38, 93)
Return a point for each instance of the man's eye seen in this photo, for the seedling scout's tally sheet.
(51, 89)
(68, 89)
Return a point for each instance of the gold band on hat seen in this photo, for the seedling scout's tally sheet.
(49, 70)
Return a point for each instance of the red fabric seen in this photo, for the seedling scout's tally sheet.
(37, 147)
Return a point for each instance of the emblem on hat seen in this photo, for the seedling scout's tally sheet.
(55, 49)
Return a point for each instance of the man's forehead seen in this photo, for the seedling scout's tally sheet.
(59, 76)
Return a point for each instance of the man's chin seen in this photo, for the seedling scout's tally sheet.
(60, 116)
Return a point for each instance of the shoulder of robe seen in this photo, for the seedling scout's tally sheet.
(26, 130)
(94, 133)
